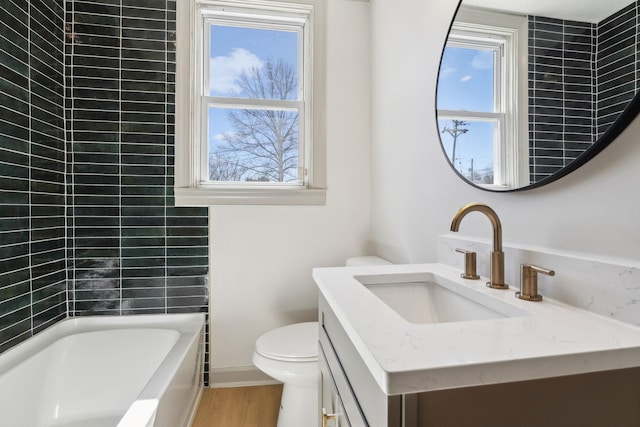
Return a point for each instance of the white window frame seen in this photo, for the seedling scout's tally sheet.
(192, 187)
(507, 35)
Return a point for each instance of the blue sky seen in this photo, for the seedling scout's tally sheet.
(466, 83)
(466, 80)
(235, 50)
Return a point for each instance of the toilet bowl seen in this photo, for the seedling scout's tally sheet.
(290, 355)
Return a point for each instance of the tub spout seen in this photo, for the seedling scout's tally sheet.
(497, 256)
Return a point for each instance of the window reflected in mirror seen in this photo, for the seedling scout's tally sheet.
(525, 89)
(478, 105)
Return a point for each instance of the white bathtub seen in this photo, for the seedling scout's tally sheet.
(128, 371)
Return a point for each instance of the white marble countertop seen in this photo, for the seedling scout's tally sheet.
(554, 340)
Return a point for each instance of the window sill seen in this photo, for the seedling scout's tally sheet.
(249, 196)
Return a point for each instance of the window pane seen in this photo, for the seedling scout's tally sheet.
(253, 145)
(253, 63)
(466, 80)
(469, 145)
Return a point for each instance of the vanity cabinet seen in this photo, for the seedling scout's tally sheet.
(346, 379)
(348, 389)
(332, 409)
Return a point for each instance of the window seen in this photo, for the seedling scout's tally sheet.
(254, 134)
(479, 107)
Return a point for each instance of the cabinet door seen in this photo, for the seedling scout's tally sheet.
(331, 410)
(342, 420)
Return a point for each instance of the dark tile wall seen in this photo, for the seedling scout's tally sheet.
(106, 184)
(32, 169)
(561, 93)
(616, 64)
(582, 76)
(132, 250)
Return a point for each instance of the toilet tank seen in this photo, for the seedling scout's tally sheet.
(366, 260)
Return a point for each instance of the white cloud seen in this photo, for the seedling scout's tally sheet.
(225, 70)
(483, 60)
(466, 79)
(224, 136)
(447, 70)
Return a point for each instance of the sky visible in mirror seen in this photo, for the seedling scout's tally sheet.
(466, 83)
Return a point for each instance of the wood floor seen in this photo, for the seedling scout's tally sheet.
(239, 407)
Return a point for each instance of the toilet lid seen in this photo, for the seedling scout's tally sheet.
(297, 342)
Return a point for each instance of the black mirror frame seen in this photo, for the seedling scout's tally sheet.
(626, 117)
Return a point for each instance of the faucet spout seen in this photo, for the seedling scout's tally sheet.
(497, 256)
(490, 213)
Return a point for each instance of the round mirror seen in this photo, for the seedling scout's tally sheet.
(529, 91)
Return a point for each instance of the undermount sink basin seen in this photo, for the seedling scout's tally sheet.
(428, 298)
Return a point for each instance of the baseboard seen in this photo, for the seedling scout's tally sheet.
(241, 376)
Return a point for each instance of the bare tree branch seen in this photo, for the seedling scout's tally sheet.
(263, 144)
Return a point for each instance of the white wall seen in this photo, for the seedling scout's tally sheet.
(414, 192)
(262, 256)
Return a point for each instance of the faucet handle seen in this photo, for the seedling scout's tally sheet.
(529, 282)
(469, 264)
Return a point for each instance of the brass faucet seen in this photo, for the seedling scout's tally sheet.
(497, 256)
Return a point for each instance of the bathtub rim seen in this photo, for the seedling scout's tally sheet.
(184, 323)
(190, 326)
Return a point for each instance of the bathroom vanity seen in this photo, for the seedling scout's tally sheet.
(478, 357)
(349, 394)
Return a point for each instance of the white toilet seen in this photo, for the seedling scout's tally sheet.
(290, 355)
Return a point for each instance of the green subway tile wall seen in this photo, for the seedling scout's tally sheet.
(100, 183)
(581, 77)
(32, 169)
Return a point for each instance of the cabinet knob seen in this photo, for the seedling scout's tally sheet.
(326, 417)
